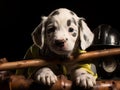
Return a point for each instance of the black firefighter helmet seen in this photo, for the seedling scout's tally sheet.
(106, 36)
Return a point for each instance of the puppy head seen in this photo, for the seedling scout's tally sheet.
(60, 30)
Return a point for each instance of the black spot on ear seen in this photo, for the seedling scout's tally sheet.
(68, 22)
(85, 38)
(72, 12)
(55, 13)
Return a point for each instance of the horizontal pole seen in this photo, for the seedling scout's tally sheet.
(44, 61)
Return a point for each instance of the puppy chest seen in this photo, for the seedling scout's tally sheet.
(65, 69)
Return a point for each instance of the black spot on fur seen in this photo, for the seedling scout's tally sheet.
(72, 13)
(68, 22)
(55, 13)
(74, 34)
(85, 38)
(80, 24)
(74, 21)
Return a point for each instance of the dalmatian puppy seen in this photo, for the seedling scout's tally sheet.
(62, 33)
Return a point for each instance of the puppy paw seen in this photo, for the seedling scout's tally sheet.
(83, 79)
(46, 76)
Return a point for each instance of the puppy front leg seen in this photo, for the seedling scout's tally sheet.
(45, 76)
(83, 79)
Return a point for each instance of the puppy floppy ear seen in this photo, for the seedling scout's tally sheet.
(38, 35)
(86, 36)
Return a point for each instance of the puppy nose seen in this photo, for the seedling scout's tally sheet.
(59, 43)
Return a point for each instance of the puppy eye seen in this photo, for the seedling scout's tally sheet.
(70, 29)
(52, 29)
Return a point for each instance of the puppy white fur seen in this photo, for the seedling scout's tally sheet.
(61, 32)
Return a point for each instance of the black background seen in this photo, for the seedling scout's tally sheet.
(19, 18)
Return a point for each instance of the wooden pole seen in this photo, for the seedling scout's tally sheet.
(41, 62)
